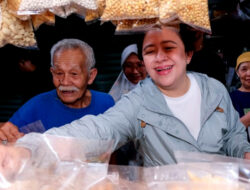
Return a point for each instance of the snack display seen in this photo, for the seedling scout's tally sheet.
(15, 31)
(46, 17)
(192, 12)
(95, 14)
(133, 9)
(13, 6)
(127, 26)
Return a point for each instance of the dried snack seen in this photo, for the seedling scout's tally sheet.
(13, 6)
(168, 9)
(192, 12)
(195, 13)
(87, 4)
(95, 14)
(133, 9)
(36, 6)
(124, 25)
(46, 17)
(15, 31)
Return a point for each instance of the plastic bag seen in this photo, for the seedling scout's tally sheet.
(192, 12)
(15, 31)
(95, 14)
(38, 6)
(13, 6)
(133, 9)
(36, 126)
(193, 157)
(58, 163)
(43, 18)
(128, 26)
(200, 176)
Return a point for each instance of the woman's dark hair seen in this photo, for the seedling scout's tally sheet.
(188, 36)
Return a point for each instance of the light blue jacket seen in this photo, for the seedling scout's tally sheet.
(143, 115)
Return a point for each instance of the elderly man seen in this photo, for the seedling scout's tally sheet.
(72, 68)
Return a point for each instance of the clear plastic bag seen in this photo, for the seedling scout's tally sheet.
(43, 18)
(133, 9)
(193, 157)
(15, 31)
(38, 6)
(58, 163)
(95, 14)
(192, 12)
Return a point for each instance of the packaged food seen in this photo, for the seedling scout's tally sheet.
(44, 18)
(95, 14)
(38, 6)
(132, 9)
(192, 12)
(13, 6)
(15, 31)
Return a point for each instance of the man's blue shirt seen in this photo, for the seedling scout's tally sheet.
(48, 108)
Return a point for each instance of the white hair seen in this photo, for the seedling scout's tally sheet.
(74, 44)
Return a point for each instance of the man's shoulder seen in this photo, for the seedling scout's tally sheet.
(103, 97)
(42, 96)
(100, 94)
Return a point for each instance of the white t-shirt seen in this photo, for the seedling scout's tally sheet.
(187, 107)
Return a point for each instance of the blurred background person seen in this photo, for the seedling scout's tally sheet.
(133, 70)
(241, 96)
(207, 61)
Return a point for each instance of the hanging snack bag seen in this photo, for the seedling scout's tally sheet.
(139, 25)
(191, 12)
(95, 14)
(46, 17)
(13, 6)
(28, 7)
(15, 31)
(87, 4)
(133, 9)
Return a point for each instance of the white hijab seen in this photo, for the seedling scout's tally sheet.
(122, 85)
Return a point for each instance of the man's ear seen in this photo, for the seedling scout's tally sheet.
(51, 70)
(189, 56)
(92, 75)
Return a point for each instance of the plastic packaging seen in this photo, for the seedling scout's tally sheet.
(43, 18)
(133, 9)
(38, 6)
(13, 6)
(15, 31)
(192, 12)
(58, 163)
(95, 14)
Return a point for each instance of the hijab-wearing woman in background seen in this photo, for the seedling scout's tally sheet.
(241, 96)
(133, 70)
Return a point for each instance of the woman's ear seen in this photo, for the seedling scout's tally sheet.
(189, 56)
(92, 75)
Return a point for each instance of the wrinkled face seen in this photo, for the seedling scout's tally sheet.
(244, 74)
(134, 69)
(165, 58)
(70, 76)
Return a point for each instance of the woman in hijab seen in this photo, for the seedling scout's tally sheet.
(133, 70)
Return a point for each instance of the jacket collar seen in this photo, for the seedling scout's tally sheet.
(154, 99)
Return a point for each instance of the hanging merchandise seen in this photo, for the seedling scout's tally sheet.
(15, 31)
(192, 12)
(133, 9)
(95, 14)
(46, 17)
